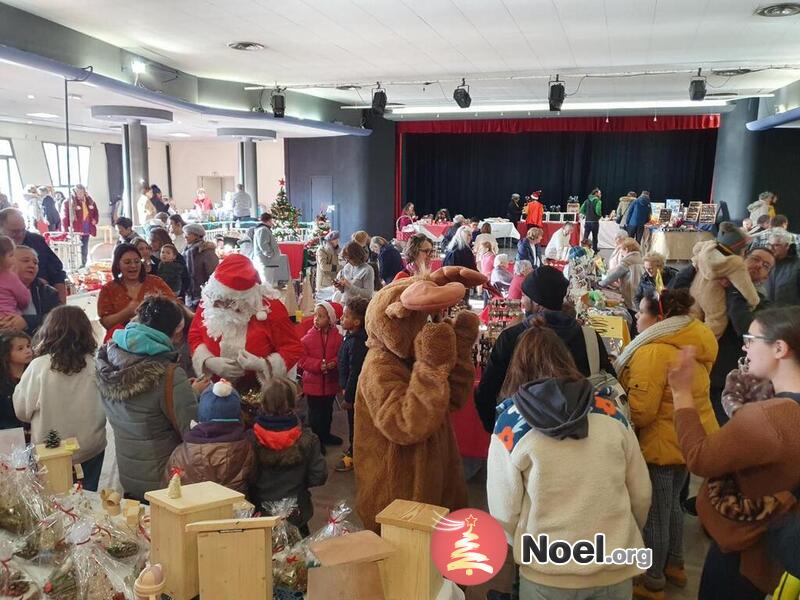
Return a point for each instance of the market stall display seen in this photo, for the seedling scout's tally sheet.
(502, 228)
(673, 243)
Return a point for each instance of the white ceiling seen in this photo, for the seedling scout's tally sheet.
(363, 41)
(18, 82)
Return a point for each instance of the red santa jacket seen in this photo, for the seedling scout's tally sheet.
(317, 347)
(535, 213)
(275, 335)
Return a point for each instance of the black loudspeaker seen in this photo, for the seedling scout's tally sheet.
(697, 89)
(556, 96)
(462, 97)
(379, 102)
(278, 102)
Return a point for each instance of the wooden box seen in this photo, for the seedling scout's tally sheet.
(58, 462)
(409, 573)
(234, 558)
(174, 547)
(350, 567)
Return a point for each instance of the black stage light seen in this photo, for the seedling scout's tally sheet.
(379, 101)
(556, 95)
(697, 88)
(461, 95)
(278, 103)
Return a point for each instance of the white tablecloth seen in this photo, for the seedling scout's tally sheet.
(608, 229)
(505, 229)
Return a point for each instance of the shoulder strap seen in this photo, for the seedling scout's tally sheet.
(592, 349)
(169, 402)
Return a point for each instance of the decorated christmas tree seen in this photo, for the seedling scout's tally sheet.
(285, 215)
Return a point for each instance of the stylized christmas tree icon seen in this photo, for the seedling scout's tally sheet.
(465, 556)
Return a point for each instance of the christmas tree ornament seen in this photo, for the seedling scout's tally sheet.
(52, 440)
(174, 488)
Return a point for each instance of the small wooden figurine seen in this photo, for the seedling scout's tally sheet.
(150, 584)
(174, 488)
(111, 502)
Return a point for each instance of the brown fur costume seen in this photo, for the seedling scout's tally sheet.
(414, 374)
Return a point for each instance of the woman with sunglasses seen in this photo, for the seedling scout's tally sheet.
(757, 452)
(665, 326)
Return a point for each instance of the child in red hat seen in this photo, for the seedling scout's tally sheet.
(320, 372)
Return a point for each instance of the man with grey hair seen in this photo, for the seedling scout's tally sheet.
(458, 221)
(514, 211)
(51, 269)
(783, 284)
(44, 297)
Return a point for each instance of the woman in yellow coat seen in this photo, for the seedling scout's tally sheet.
(665, 327)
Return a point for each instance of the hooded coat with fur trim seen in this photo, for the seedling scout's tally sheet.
(414, 374)
(132, 390)
(712, 267)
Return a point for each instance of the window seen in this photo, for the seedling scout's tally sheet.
(10, 181)
(56, 155)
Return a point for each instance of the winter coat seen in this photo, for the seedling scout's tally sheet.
(526, 250)
(639, 212)
(783, 285)
(214, 451)
(51, 213)
(132, 390)
(514, 211)
(460, 257)
(567, 328)
(288, 462)
(628, 274)
(44, 298)
(352, 353)
(173, 273)
(390, 263)
(362, 280)
(8, 418)
(266, 252)
(319, 347)
(647, 285)
(644, 378)
(327, 265)
(759, 208)
(81, 223)
(201, 261)
(598, 484)
(713, 265)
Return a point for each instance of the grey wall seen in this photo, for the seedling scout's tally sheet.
(749, 162)
(362, 169)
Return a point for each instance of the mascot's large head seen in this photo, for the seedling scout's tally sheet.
(398, 312)
(233, 295)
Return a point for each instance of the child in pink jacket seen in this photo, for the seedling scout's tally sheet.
(320, 370)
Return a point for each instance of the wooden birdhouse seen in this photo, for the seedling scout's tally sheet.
(349, 567)
(234, 558)
(58, 464)
(174, 547)
(409, 572)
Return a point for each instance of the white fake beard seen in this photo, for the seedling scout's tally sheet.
(229, 327)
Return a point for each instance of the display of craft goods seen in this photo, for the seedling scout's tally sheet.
(15, 582)
(63, 582)
(45, 544)
(337, 523)
(118, 543)
(22, 503)
(284, 534)
(504, 311)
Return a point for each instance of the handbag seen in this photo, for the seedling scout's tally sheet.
(605, 384)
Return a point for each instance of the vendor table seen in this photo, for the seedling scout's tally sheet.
(294, 253)
(674, 245)
(434, 231)
(503, 229)
(608, 230)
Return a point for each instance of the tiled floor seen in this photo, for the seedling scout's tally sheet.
(342, 486)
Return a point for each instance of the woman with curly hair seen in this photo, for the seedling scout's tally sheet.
(58, 390)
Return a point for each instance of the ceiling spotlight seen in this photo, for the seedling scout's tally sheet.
(246, 46)
(697, 88)
(31, 97)
(379, 100)
(784, 9)
(41, 115)
(556, 95)
(179, 134)
(278, 103)
(461, 95)
(138, 67)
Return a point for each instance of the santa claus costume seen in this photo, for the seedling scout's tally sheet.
(534, 211)
(241, 330)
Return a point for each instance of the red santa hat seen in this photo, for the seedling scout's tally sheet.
(236, 279)
(334, 310)
(535, 195)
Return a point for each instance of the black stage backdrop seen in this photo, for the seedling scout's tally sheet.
(475, 174)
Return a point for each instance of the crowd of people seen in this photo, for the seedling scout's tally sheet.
(188, 334)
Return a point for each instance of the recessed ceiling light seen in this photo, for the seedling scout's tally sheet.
(246, 46)
(784, 9)
(179, 135)
(41, 115)
(31, 97)
(138, 67)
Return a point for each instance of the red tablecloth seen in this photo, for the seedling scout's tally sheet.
(437, 229)
(551, 228)
(294, 252)
(471, 437)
